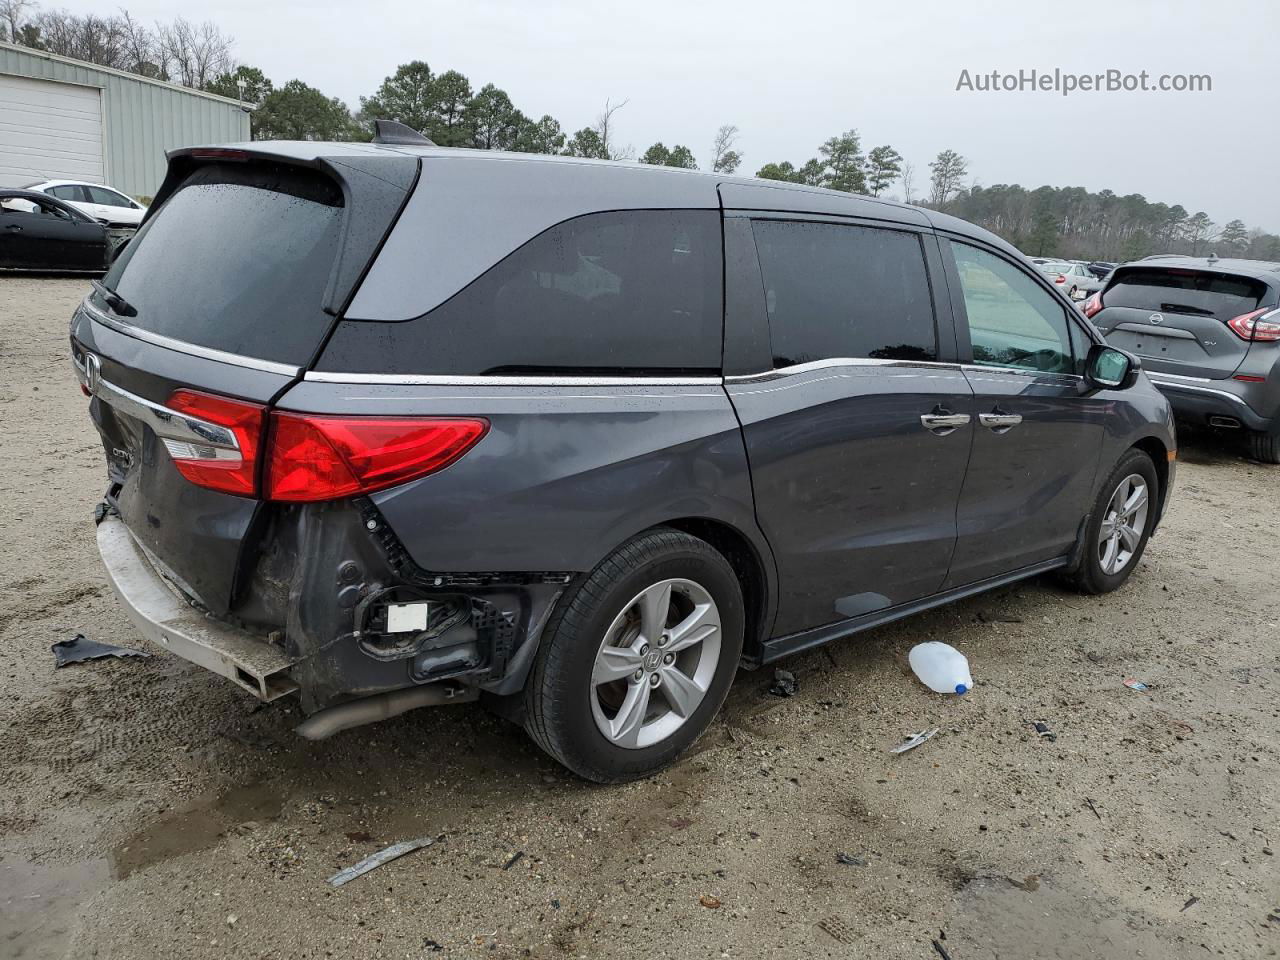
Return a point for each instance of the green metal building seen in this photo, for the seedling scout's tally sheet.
(64, 119)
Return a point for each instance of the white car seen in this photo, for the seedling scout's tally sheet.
(105, 204)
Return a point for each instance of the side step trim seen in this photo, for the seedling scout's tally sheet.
(780, 647)
(166, 619)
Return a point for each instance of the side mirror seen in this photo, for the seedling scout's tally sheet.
(1110, 369)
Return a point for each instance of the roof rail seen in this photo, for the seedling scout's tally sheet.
(392, 131)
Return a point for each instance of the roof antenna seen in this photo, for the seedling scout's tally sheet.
(392, 131)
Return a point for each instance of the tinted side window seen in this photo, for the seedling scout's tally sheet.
(1012, 321)
(108, 198)
(69, 192)
(624, 292)
(836, 291)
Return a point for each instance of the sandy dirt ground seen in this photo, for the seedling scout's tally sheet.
(151, 809)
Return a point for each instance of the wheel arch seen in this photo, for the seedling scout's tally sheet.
(749, 567)
(1155, 448)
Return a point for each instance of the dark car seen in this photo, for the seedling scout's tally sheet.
(390, 425)
(1100, 268)
(1208, 331)
(40, 233)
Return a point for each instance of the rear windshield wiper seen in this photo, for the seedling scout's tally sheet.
(1182, 308)
(117, 303)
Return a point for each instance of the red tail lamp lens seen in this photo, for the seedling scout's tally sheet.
(218, 467)
(322, 458)
(1093, 305)
(1259, 325)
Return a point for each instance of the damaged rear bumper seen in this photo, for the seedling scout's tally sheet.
(165, 618)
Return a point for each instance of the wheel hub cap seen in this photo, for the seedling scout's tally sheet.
(655, 663)
(1123, 524)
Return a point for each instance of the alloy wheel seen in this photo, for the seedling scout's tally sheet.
(1123, 524)
(655, 663)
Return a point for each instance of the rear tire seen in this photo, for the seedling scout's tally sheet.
(1120, 525)
(637, 658)
(1264, 447)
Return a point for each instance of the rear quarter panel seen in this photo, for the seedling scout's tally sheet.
(566, 473)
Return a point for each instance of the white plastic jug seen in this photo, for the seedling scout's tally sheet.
(941, 668)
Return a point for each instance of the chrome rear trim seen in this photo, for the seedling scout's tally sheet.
(170, 424)
(191, 349)
(1178, 384)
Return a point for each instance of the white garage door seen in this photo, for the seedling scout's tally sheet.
(49, 131)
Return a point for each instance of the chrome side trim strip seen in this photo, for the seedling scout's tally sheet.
(446, 380)
(1159, 381)
(191, 349)
(1019, 371)
(1177, 376)
(190, 433)
(831, 363)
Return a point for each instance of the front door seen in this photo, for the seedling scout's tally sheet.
(1037, 433)
(856, 437)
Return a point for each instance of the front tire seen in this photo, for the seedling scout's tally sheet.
(637, 659)
(1120, 525)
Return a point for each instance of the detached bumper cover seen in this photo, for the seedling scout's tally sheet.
(165, 618)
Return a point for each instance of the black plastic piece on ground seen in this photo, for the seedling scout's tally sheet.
(78, 648)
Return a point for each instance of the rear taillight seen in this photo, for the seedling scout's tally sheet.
(1093, 305)
(1062, 278)
(1258, 325)
(309, 457)
(322, 458)
(225, 460)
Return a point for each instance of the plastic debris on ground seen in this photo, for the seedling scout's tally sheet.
(1042, 729)
(396, 850)
(784, 684)
(1135, 684)
(78, 649)
(845, 860)
(914, 740)
(941, 667)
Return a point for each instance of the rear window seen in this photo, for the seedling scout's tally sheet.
(237, 259)
(1192, 292)
(624, 292)
(844, 292)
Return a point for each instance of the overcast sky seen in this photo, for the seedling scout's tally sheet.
(792, 74)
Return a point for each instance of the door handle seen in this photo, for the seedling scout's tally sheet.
(942, 423)
(999, 422)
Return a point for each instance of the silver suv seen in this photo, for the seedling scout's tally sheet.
(1208, 333)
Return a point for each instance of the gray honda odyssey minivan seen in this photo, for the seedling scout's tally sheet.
(388, 425)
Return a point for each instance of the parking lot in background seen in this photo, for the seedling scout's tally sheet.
(150, 808)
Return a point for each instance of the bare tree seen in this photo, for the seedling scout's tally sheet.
(724, 159)
(908, 177)
(139, 46)
(193, 54)
(605, 131)
(13, 13)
